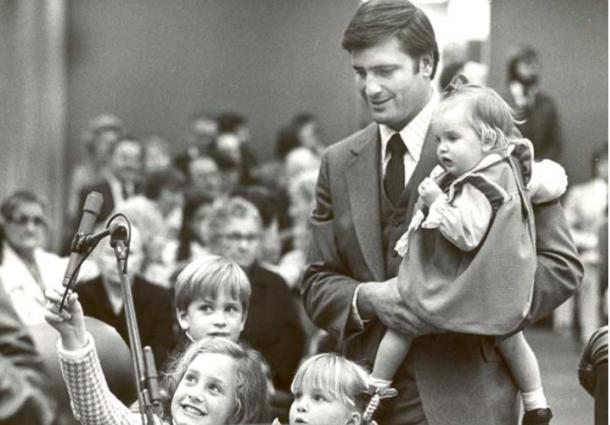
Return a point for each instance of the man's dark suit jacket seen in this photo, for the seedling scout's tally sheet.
(273, 326)
(154, 311)
(460, 379)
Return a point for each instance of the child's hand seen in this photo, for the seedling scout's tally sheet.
(70, 322)
(429, 191)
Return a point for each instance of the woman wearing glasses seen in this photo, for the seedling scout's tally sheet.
(26, 268)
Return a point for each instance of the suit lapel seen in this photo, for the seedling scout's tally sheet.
(363, 183)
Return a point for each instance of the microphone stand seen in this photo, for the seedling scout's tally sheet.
(149, 398)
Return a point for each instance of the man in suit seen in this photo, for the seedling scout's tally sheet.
(366, 191)
(122, 179)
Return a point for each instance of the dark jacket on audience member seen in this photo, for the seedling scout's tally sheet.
(273, 326)
(154, 311)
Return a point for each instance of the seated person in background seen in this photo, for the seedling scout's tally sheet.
(266, 203)
(201, 133)
(586, 207)
(102, 132)
(273, 326)
(24, 389)
(102, 298)
(192, 239)
(232, 123)
(329, 389)
(156, 156)
(121, 181)
(215, 382)
(151, 213)
(26, 268)
(204, 176)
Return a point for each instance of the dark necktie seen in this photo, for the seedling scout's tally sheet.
(394, 181)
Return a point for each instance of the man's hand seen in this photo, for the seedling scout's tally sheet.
(429, 191)
(382, 300)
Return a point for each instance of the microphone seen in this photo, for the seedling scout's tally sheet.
(91, 209)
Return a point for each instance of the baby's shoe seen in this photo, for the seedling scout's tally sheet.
(378, 394)
(537, 417)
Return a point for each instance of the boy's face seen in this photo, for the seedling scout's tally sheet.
(315, 406)
(459, 148)
(221, 317)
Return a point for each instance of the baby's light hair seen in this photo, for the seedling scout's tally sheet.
(487, 113)
(341, 378)
(206, 277)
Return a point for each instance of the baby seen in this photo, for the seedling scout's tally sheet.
(469, 253)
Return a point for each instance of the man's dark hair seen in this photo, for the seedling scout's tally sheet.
(522, 54)
(169, 178)
(378, 21)
(229, 122)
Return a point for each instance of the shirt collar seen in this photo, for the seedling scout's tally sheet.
(414, 133)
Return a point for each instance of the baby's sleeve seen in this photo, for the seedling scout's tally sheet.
(464, 221)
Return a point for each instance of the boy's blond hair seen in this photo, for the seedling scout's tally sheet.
(205, 277)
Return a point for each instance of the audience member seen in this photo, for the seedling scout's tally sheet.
(102, 298)
(215, 378)
(204, 175)
(122, 179)
(102, 132)
(266, 203)
(308, 131)
(192, 238)
(273, 326)
(586, 208)
(201, 134)
(24, 388)
(236, 124)
(27, 269)
(156, 155)
(536, 108)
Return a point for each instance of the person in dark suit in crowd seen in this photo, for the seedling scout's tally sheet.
(102, 299)
(536, 108)
(201, 134)
(24, 391)
(122, 179)
(366, 191)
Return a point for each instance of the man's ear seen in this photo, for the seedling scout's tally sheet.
(181, 315)
(354, 418)
(426, 64)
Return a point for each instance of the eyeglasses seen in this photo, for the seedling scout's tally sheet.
(23, 220)
(238, 237)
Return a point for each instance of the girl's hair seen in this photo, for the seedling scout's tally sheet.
(227, 209)
(487, 113)
(251, 399)
(205, 277)
(341, 378)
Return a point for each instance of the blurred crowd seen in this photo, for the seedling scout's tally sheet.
(217, 197)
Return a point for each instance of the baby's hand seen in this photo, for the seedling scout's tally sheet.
(429, 191)
(70, 322)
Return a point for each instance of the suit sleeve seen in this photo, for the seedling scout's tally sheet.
(327, 290)
(559, 271)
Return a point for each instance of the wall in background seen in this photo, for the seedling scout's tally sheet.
(572, 39)
(155, 62)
